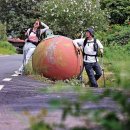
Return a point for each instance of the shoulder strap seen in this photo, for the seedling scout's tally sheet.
(85, 42)
(95, 40)
(95, 46)
(30, 31)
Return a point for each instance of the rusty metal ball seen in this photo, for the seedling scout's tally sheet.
(56, 58)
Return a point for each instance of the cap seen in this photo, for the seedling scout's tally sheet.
(91, 31)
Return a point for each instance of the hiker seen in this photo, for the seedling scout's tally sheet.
(32, 39)
(90, 47)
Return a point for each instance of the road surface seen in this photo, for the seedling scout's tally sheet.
(19, 94)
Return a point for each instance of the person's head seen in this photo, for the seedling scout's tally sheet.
(90, 33)
(37, 24)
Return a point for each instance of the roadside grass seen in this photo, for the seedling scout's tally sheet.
(6, 48)
(117, 61)
(67, 86)
(72, 85)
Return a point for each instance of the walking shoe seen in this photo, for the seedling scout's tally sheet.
(18, 72)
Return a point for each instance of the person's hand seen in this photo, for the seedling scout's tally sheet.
(78, 49)
(101, 52)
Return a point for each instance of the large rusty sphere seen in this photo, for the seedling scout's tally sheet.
(57, 59)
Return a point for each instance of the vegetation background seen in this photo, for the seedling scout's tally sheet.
(111, 22)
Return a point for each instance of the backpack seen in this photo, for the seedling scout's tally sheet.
(95, 47)
(37, 34)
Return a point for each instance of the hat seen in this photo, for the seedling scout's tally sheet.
(91, 31)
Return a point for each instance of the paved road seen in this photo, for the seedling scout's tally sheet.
(21, 93)
(17, 93)
(8, 64)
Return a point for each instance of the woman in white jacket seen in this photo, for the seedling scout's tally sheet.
(31, 41)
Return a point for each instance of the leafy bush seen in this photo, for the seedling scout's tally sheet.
(117, 61)
(73, 17)
(118, 10)
(115, 35)
(97, 118)
(6, 48)
(19, 14)
(119, 34)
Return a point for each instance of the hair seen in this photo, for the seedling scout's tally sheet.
(40, 25)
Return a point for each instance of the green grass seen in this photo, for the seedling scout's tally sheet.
(64, 86)
(117, 61)
(6, 48)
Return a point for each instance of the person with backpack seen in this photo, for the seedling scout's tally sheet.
(90, 46)
(33, 36)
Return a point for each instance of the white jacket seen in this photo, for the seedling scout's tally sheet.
(88, 49)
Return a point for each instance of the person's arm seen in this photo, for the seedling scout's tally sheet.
(45, 27)
(100, 46)
(78, 43)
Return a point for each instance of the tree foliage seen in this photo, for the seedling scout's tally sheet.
(63, 17)
(19, 14)
(118, 10)
(2, 32)
(71, 17)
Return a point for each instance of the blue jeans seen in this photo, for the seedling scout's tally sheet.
(90, 69)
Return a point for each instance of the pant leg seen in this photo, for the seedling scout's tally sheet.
(25, 49)
(28, 50)
(29, 54)
(90, 73)
(98, 70)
